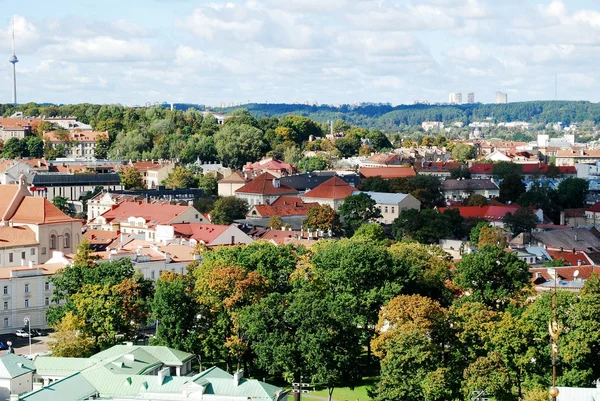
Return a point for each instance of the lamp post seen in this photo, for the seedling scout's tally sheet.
(28, 323)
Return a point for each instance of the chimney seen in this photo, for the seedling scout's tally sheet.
(237, 376)
(162, 374)
(23, 262)
(10, 223)
(30, 264)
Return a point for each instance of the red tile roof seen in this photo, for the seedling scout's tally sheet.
(159, 213)
(78, 136)
(291, 207)
(269, 164)
(437, 167)
(17, 236)
(536, 168)
(570, 258)
(575, 212)
(263, 185)
(482, 168)
(334, 188)
(565, 273)
(594, 208)
(100, 237)
(206, 233)
(39, 211)
(233, 178)
(489, 213)
(387, 172)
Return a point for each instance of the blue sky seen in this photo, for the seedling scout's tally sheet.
(328, 51)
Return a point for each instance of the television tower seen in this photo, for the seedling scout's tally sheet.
(14, 60)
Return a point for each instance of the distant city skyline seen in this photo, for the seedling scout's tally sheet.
(329, 52)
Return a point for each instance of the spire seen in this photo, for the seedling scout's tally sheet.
(13, 36)
(14, 60)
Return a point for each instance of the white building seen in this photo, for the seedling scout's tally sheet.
(455, 98)
(391, 205)
(501, 98)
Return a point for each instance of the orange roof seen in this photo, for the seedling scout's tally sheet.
(263, 184)
(179, 253)
(268, 164)
(16, 236)
(148, 166)
(334, 188)
(18, 122)
(39, 211)
(46, 269)
(570, 258)
(437, 167)
(7, 195)
(387, 172)
(566, 273)
(206, 233)
(578, 153)
(233, 178)
(34, 163)
(154, 213)
(78, 136)
(489, 213)
(100, 237)
(284, 208)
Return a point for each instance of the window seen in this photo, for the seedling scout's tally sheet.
(46, 301)
(53, 241)
(10, 257)
(47, 285)
(43, 250)
(385, 209)
(5, 322)
(152, 274)
(5, 305)
(27, 303)
(393, 209)
(67, 240)
(5, 290)
(26, 288)
(22, 255)
(32, 251)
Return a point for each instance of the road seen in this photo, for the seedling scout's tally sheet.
(21, 345)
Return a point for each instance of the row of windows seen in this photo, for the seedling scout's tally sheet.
(385, 209)
(66, 241)
(26, 287)
(23, 253)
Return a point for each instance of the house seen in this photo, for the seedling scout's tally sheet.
(16, 375)
(228, 185)
(73, 186)
(574, 217)
(153, 172)
(272, 166)
(464, 188)
(494, 214)
(571, 157)
(100, 240)
(577, 239)
(69, 123)
(592, 215)
(306, 181)
(142, 219)
(11, 170)
(332, 192)
(264, 189)
(438, 169)
(18, 246)
(54, 230)
(387, 172)
(144, 373)
(567, 278)
(391, 205)
(79, 144)
(283, 206)
(207, 234)
(12, 127)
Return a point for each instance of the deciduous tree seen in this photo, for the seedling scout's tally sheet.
(228, 209)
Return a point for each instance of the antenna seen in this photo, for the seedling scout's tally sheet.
(14, 60)
(13, 35)
(575, 273)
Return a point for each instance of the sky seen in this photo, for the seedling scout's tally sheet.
(325, 51)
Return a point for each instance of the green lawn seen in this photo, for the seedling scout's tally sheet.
(342, 393)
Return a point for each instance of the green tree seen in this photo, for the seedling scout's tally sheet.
(501, 170)
(13, 148)
(314, 163)
(70, 338)
(301, 128)
(62, 203)
(476, 200)
(492, 276)
(460, 172)
(358, 209)
(275, 223)
(463, 152)
(542, 196)
(322, 217)
(177, 326)
(427, 189)
(209, 184)
(379, 140)
(427, 226)
(572, 192)
(492, 235)
(228, 209)
(34, 146)
(238, 144)
(523, 220)
(476, 231)
(511, 188)
(131, 178)
(102, 147)
(180, 177)
(374, 184)
(371, 232)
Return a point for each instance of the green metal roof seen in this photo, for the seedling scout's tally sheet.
(166, 355)
(137, 362)
(71, 388)
(58, 366)
(12, 366)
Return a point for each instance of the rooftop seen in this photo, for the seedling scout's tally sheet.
(266, 184)
(387, 172)
(334, 188)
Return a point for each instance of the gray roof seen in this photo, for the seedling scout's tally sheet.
(294, 221)
(308, 181)
(385, 198)
(57, 179)
(470, 184)
(580, 239)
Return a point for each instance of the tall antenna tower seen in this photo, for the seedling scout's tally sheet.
(14, 60)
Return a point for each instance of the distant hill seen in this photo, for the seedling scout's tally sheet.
(388, 118)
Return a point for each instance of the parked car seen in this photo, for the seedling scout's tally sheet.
(37, 333)
(3, 346)
(21, 333)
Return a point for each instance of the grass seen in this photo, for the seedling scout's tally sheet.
(343, 393)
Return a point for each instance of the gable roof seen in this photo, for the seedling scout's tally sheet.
(284, 206)
(206, 233)
(233, 178)
(268, 164)
(489, 213)
(385, 198)
(153, 213)
(17, 236)
(580, 239)
(263, 185)
(387, 172)
(334, 188)
(468, 184)
(39, 211)
(437, 167)
(72, 388)
(12, 366)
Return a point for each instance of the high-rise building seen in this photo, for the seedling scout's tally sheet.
(501, 98)
(455, 98)
(14, 60)
(471, 98)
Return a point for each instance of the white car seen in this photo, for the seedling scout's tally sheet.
(21, 333)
